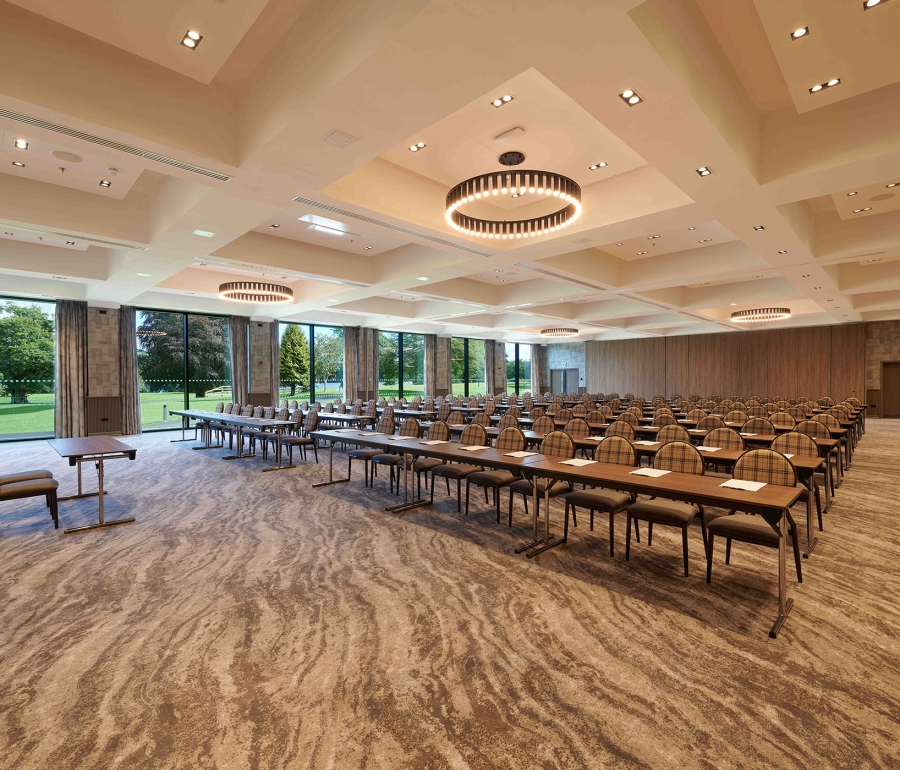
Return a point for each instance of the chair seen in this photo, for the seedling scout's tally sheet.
(437, 432)
(782, 420)
(725, 438)
(681, 457)
(663, 418)
(629, 419)
(456, 418)
(443, 412)
(310, 423)
(507, 421)
(738, 416)
(510, 440)
(564, 415)
(515, 412)
(543, 425)
(767, 466)
(385, 425)
(617, 451)
(695, 415)
(271, 436)
(795, 443)
(17, 486)
(472, 435)
(489, 408)
(673, 432)
(595, 420)
(556, 444)
(579, 410)
(535, 412)
(621, 429)
(797, 413)
(409, 429)
(482, 419)
(757, 411)
(759, 425)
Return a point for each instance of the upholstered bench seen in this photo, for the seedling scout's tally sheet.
(15, 486)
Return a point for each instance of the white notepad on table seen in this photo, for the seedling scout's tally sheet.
(708, 448)
(472, 448)
(433, 442)
(746, 486)
(789, 456)
(696, 430)
(748, 435)
(345, 430)
(578, 462)
(520, 454)
(652, 472)
(646, 443)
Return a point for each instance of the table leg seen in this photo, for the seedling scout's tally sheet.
(810, 540)
(80, 494)
(278, 453)
(239, 453)
(548, 542)
(534, 521)
(101, 523)
(185, 420)
(414, 502)
(331, 478)
(784, 604)
(207, 438)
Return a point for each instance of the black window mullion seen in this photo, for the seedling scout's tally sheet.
(186, 354)
(516, 365)
(312, 363)
(400, 365)
(466, 367)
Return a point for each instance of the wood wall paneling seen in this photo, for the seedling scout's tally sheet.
(104, 415)
(715, 363)
(753, 369)
(782, 349)
(678, 366)
(814, 361)
(848, 361)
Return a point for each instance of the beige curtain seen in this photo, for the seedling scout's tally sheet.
(240, 377)
(71, 369)
(430, 363)
(128, 371)
(351, 363)
(538, 364)
(499, 384)
(368, 363)
(275, 358)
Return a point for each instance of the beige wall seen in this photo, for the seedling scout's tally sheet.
(103, 352)
(260, 363)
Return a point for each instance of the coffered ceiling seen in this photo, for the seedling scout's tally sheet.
(285, 136)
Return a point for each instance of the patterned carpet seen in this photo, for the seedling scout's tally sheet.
(249, 621)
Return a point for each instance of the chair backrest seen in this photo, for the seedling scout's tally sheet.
(812, 428)
(292, 405)
(473, 435)
(341, 409)
(615, 450)
(220, 407)
(629, 419)
(579, 410)
(482, 419)
(370, 411)
(606, 411)
(553, 409)
(797, 412)
(439, 431)
(410, 427)
(782, 419)
(382, 402)
(296, 419)
(710, 422)
(443, 412)
(385, 425)
(329, 407)
(679, 456)
(317, 406)
(828, 420)
(543, 424)
(269, 413)
(757, 411)
(258, 411)
(737, 415)
(507, 421)
(356, 409)
(759, 425)
(283, 414)
(838, 412)
(795, 443)
(672, 433)
(489, 408)
(695, 414)
(535, 412)
(726, 438)
(558, 444)
(664, 418)
(622, 429)
(721, 410)
(388, 411)
(595, 418)
(511, 440)
(311, 421)
(564, 415)
(577, 428)
(247, 411)
(456, 418)
(305, 406)
(515, 411)
(739, 406)
(770, 407)
(765, 465)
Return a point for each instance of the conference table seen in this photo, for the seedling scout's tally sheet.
(97, 450)
(771, 501)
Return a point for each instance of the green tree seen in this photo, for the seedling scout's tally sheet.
(414, 359)
(295, 357)
(26, 350)
(329, 356)
(388, 358)
(457, 358)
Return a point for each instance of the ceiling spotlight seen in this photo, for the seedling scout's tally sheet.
(822, 86)
(143, 275)
(704, 171)
(105, 183)
(191, 39)
(630, 97)
(367, 248)
(641, 253)
(598, 165)
(501, 100)
(204, 233)
(892, 184)
(20, 165)
(620, 244)
(798, 33)
(70, 243)
(705, 240)
(782, 251)
(21, 144)
(758, 227)
(852, 193)
(651, 237)
(816, 288)
(417, 146)
(874, 260)
(872, 3)
(757, 276)
(422, 278)
(692, 228)
(276, 225)
(858, 211)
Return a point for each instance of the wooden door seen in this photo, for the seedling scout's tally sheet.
(890, 389)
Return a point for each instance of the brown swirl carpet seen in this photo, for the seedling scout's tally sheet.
(248, 621)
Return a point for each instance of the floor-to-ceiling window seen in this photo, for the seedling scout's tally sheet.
(295, 378)
(184, 361)
(401, 364)
(389, 364)
(413, 380)
(475, 369)
(523, 368)
(328, 362)
(512, 385)
(312, 362)
(27, 361)
(458, 361)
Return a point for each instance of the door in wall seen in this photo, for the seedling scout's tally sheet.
(571, 384)
(890, 389)
(557, 380)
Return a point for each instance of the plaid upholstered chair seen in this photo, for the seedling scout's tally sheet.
(756, 465)
(489, 408)
(617, 451)
(739, 406)
(556, 444)
(437, 432)
(757, 411)
(515, 412)
(812, 428)
(577, 428)
(456, 418)
(752, 401)
(552, 409)
(672, 433)
(595, 419)
(797, 412)
(710, 422)
(770, 407)
(579, 410)
(472, 435)
(680, 457)
(629, 419)
(509, 440)
(606, 411)
(482, 419)
(795, 443)
(408, 429)
(508, 421)
(544, 425)
(310, 423)
(695, 415)
(621, 429)
(758, 425)
(664, 418)
(385, 425)
(269, 437)
(725, 438)
(738, 416)
(782, 420)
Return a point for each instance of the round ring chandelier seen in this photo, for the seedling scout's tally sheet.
(559, 332)
(761, 314)
(514, 183)
(255, 293)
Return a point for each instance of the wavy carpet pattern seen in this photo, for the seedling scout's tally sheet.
(249, 621)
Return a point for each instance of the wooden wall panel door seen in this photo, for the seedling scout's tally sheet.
(714, 363)
(890, 389)
(848, 362)
(754, 364)
(678, 366)
(783, 347)
(813, 362)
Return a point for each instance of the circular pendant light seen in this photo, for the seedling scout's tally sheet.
(514, 183)
(559, 332)
(254, 292)
(761, 314)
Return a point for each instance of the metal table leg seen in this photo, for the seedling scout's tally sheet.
(414, 502)
(548, 541)
(239, 453)
(100, 493)
(534, 521)
(784, 604)
(185, 420)
(331, 478)
(810, 540)
(278, 452)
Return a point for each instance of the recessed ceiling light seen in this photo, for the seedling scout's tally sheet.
(620, 244)
(598, 165)
(705, 283)
(872, 3)
(704, 171)
(501, 100)
(630, 97)
(9, 233)
(758, 227)
(498, 270)
(782, 251)
(892, 184)
(692, 228)
(189, 292)
(757, 276)
(276, 225)
(857, 211)
(143, 275)
(191, 39)
(805, 275)
(798, 33)
(822, 86)
(874, 260)
(105, 183)
(852, 193)
(705, 240)
(417, 146)
(502, 280)
(817, 287)
(21, 144)
(20, 165)
(70, 243)
(367, 248)
(204, 233)
(422, 278)
(734, 304)
(651, 237)
(642, 252)
(331, 300)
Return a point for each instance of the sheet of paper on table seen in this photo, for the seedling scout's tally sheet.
(473, 448)
(652, 472)
(433, 442)
(578, 462)
(520, 454)
(696, 430)
(646, 443)
(789, 456)
(708, 448)
(746, 486)
(748, 435)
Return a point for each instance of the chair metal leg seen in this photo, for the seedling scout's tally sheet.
(628, 539)
(709, 556)
(684, 545)
(467, 497)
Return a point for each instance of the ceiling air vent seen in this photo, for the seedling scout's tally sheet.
(57, 129)
(560, 277)
(71, 237)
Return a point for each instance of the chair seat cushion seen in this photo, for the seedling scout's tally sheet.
(492, 478)
(364, 454)
(32, 488)
(11, 478)
(743, 526)
(599, 499)
(387, 459)
(664, 511)
(454, 470)
(424, 464)
(301, 440)
(523, 487)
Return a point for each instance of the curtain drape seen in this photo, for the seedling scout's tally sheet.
(240, 377)
(499, 383)
(538, 362)
(70, 411)
(444, 378)
(430, 363)
(368, 363)
(128, 371)
(351, 363)
(275, 358)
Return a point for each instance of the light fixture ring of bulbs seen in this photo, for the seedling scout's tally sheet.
(514, 182)
(760, 314)
(559, 331)
(255, 292)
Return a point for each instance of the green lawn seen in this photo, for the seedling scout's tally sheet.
(33, 418)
